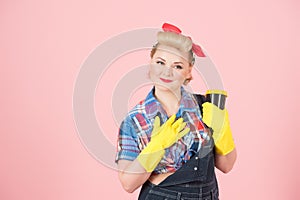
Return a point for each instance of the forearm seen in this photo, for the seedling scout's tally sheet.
(225, 162)
(132, 175)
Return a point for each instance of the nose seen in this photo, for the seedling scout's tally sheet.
(168, 71)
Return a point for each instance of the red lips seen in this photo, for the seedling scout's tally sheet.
(166, 80)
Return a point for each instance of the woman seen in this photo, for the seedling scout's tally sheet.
(164, 144)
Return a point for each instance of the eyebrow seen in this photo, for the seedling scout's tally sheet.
(174, 62)
(178, 62)
(161, 58)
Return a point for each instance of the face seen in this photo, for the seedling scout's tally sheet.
(169, 68)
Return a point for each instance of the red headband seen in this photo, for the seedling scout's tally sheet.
(195, 48)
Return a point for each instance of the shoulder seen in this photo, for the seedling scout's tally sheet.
(137, 115)
(138, 108)
(190, 99)
(141, 106)
(192, 102)
(187, 94)
(141, 109)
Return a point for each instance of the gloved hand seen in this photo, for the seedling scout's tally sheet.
(162, 137)
(218, 120)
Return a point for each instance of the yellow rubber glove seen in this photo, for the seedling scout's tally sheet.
(218, 120)
(162, 137)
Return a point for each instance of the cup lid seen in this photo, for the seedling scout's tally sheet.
(217, 92)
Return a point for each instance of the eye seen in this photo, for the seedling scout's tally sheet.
(160, 62)
(178, 67)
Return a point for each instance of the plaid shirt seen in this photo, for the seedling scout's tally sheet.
(135, 132)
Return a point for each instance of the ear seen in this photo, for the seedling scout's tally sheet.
(189, 77)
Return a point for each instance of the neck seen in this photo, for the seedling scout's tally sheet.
(170, 100)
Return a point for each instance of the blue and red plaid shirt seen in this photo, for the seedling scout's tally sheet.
(135, 132)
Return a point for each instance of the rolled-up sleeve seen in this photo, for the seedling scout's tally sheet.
(127, 145)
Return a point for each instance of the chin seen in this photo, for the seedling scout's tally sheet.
(162, 87)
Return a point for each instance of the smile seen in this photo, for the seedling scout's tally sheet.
(166, 80)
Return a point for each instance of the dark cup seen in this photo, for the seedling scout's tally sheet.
(217, 97)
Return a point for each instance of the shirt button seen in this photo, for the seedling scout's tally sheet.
(195, 168)
(196, 158)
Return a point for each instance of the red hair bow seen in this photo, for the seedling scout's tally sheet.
(171, 28)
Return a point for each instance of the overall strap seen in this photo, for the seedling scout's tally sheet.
(200, 99)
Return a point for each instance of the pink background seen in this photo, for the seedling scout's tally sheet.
(255, 45)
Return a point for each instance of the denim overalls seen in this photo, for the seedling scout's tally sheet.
(196, 179)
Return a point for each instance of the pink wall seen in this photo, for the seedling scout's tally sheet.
(255, 46)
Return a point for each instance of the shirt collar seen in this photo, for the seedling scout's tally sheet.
(154, 108)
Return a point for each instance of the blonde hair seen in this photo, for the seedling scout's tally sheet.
(178, 41)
